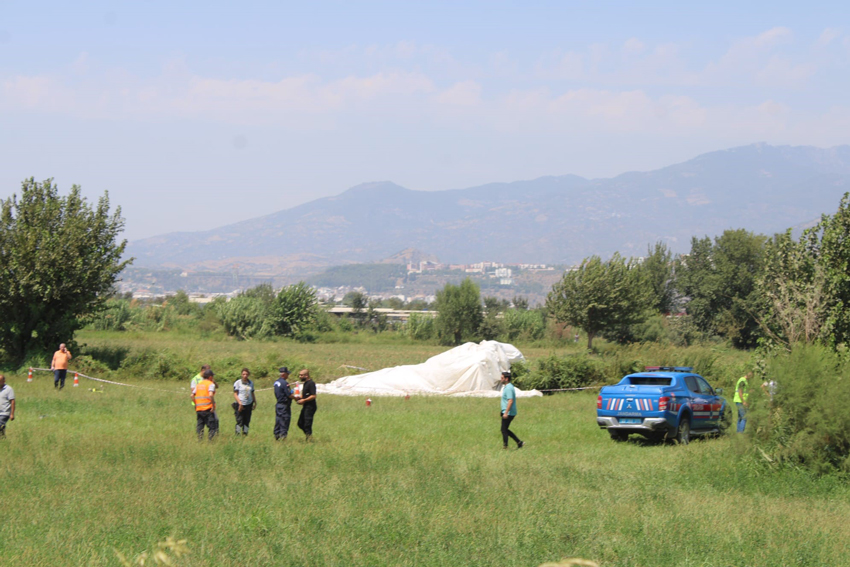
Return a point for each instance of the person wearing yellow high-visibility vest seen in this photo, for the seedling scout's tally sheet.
(204, 398)
(741, 395)
(196, 379)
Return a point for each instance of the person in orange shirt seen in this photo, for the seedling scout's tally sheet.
(59, 366)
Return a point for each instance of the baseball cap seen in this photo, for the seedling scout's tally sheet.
(283, 369)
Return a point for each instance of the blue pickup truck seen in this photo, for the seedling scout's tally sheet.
(662, 403)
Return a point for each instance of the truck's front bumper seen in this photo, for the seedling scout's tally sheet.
(648, 424)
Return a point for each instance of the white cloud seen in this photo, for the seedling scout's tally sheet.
(633, 46)
(466, 93)
(828, 36)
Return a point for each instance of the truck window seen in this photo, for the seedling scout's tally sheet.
(691, 381)
(650, 381)
(704, 387)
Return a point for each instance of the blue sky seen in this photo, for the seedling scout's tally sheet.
(198, 114)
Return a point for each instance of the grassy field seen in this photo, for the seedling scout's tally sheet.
(406, 482)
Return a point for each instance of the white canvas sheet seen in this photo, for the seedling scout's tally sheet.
(468, 370)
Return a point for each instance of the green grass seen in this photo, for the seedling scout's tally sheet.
(405, 482)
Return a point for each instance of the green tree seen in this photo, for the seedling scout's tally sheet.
(374, 319)
(293, 310)
(244, 317)
(358, 302)
(459, 312)
(658, 267)
(719, 278)
(59, 260)
(600, 296)
(806, 284)
(793, 287)
(829, 244)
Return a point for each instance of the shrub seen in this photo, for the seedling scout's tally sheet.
(555, 372)
(244, 317)
(345, 325)
(420, 327)
(150, 363)
(114, 317)
(88, 365)
(807, 422)
(524, 325)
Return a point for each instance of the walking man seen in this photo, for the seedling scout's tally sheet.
(7, 405)
(741, 395)
(59, 366)
(283, 407)
(307, 401)
(508, 410)
(246, 402)
(204, 398)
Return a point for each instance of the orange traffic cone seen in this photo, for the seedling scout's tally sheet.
(29, 375)
(76, 380)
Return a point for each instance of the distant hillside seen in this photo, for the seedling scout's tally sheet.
(548, 220)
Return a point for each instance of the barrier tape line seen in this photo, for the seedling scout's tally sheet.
(128, 385)
(112, 382)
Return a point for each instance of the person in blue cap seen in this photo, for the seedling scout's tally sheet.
(283, 408)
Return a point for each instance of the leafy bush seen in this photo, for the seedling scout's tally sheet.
(807, 422)
(292, 311)
(151, 363)
(524, 325)
(244, 317)
(555, 372)
(345, 325)
(420, 327)
(114, 317)
(88, 365)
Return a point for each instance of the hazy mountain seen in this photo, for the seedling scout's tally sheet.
(552, 219)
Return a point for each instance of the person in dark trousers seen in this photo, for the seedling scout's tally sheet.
(204, 397)
(246, 402)
(59, 366)
(283, 408)
(508, 410)
(7, 405)
(307, 401)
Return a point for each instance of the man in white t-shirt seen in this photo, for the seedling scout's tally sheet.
(246, 402)
(7, 405)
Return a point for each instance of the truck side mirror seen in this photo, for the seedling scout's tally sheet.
(719, 391)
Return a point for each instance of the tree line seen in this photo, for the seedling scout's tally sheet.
(742, 287)
(62, 256)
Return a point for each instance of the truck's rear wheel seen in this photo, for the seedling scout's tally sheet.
(618, 435)
(725, 423)
(683, 432)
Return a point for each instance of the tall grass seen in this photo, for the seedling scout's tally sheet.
(405, 482)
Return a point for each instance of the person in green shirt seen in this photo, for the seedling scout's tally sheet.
(741, 395)
(508, 412)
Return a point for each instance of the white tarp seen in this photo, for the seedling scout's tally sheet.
(468, 370)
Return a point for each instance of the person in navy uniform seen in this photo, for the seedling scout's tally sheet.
(283, 408)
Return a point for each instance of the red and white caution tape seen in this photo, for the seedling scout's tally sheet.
(113, 382)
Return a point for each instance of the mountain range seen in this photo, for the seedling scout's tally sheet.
(555, 220)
